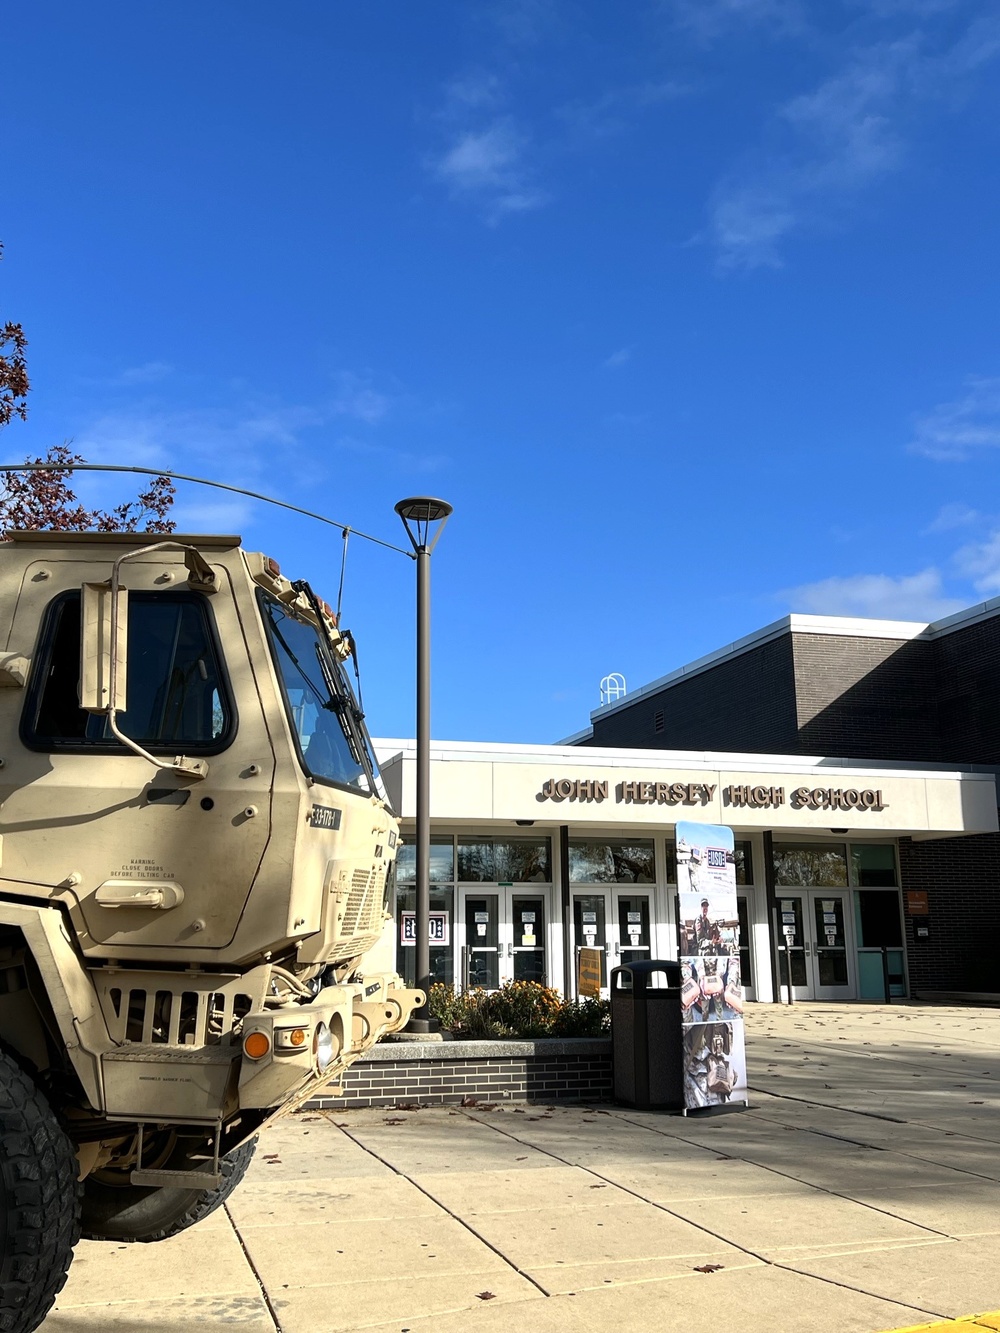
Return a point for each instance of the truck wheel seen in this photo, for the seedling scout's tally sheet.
(39, 1202)
(126, 1212)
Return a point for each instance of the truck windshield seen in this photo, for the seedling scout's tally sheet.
(320, 703)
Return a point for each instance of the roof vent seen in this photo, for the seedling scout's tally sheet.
(658, 720)
(612, 688)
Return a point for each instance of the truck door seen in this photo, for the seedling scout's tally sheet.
(153, 859)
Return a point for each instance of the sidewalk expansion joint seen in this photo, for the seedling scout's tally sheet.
(877, 1147)
(444, 1208)
(264, 1294)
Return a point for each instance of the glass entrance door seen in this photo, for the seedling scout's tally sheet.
(481, 951)
(830, 963)
(632, 944)
(528, 943)
(505, 937)
(813, 945)
(590, 928)
(615, 921)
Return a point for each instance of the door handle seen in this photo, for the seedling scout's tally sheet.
(617, 950)
(510, 951)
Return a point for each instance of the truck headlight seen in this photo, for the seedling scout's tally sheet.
(322, 1046)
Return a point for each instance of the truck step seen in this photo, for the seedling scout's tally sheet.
(184, 1180)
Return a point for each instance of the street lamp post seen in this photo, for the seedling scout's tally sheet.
(424, 519)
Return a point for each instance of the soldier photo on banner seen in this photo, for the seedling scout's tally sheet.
(715, 1071)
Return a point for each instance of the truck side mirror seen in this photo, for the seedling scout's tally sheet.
(103, 648)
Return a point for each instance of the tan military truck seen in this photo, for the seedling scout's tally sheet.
(195, 849)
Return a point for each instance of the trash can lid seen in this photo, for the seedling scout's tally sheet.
(640, 975)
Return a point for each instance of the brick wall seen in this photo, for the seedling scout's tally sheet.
(961, 877)
(968, 707)
(866, 698)
(448, 1072)
(746, 703)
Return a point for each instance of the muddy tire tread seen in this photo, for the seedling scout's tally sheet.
(41, 1201)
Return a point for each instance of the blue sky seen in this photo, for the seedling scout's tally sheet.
(690, 307)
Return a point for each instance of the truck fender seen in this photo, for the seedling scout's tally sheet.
(69, 989)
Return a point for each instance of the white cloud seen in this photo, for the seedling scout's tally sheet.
(880, 596)
(617, 359)
(152, 372)
(387, 453)
(356, 398)
(823, 148)
(980, 562)
(707, 20)
(749, 222)
(832, 142)
(487, 166)
(614, 111)
(473, 90)
(152, 437)
(952, 516)
(952, 431)
(234, 515)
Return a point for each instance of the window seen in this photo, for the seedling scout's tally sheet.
(744, 863)
(325, 719)
(442, 908)
(442, 869)
(175, 691)
(746, 964)
(811, 867)
(593, 861)
(504, 861)
(874, 865)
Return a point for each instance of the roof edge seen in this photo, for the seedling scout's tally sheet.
(851, 627)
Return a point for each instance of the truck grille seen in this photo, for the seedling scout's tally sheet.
(363, 912)
(174, 1009)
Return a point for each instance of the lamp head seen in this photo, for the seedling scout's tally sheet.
(418, 513)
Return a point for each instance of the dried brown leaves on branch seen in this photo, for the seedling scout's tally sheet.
(14, 383)
(46, 499)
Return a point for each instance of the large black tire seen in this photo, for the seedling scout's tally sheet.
(39, 1202)
(126, 1212)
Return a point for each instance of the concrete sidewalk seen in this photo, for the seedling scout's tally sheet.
(858, 1193)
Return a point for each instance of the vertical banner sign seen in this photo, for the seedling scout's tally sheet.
(715, 1066)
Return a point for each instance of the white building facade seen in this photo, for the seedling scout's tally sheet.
(539, 850)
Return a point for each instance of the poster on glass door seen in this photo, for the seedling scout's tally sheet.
(715, 1067)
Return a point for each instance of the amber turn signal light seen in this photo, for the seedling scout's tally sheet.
(256, 1045)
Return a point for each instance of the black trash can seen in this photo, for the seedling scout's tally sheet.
(646, 1045)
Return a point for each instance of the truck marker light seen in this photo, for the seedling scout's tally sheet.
(272, 567)
(256, 1045)
(293, 1039)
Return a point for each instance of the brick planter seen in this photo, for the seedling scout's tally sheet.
(442, 1073)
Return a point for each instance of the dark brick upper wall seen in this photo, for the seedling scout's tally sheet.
(866, 698)
(968, 698)
(746, 703)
